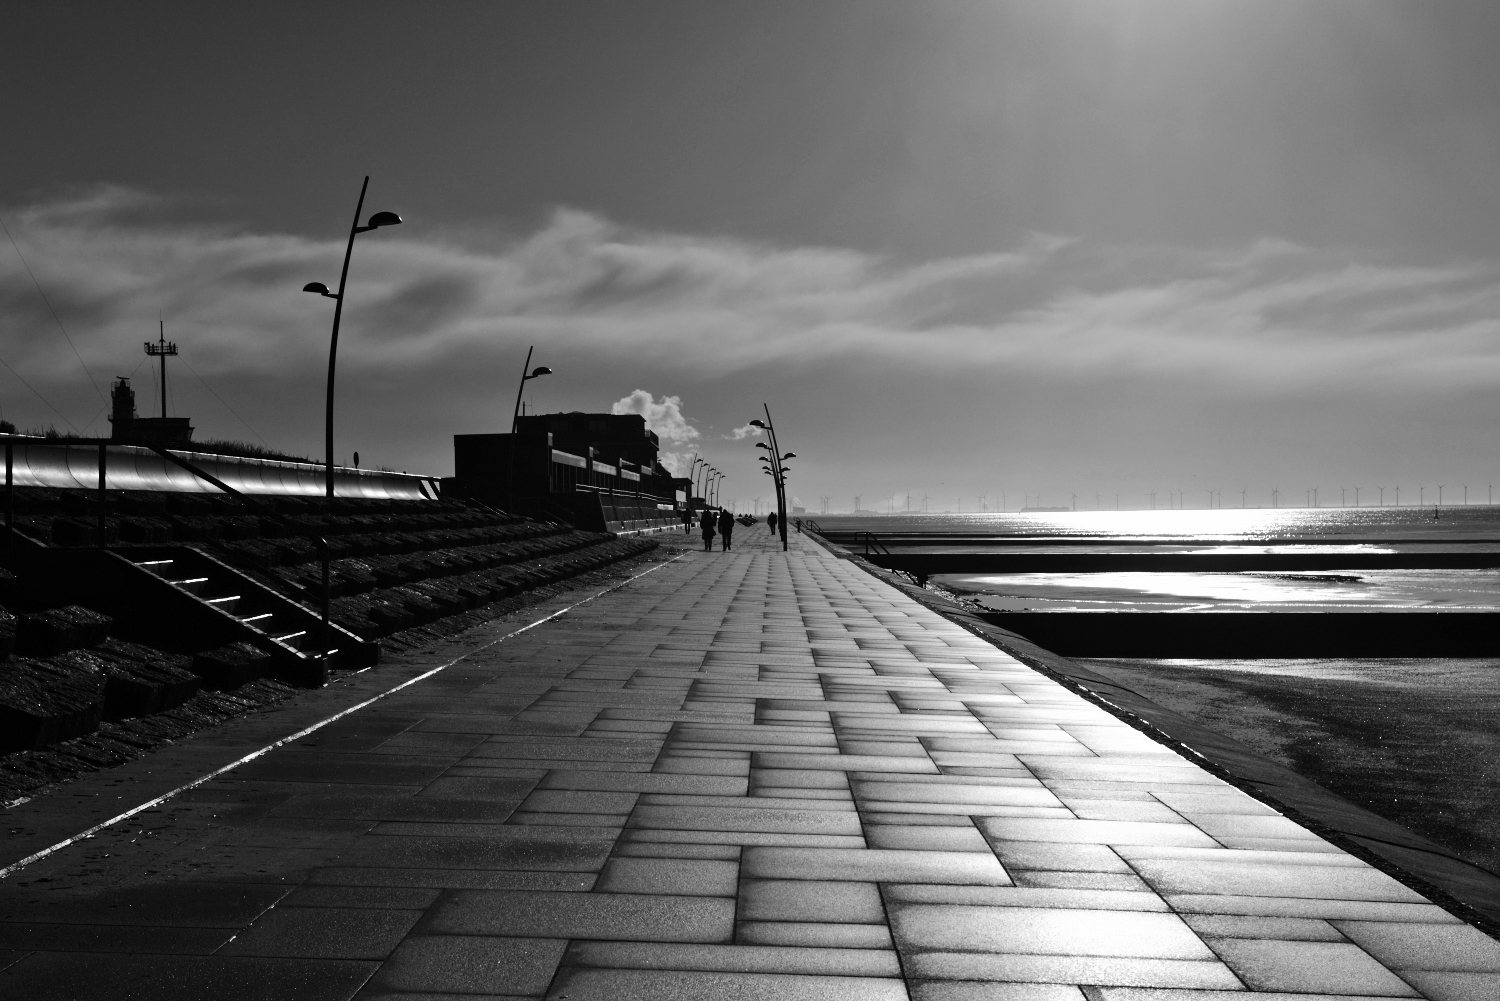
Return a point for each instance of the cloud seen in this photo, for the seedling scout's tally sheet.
(1269, 318)
(664, 417)
(741, 433)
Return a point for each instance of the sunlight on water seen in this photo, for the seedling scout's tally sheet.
(1364, 590)
(1252, 523)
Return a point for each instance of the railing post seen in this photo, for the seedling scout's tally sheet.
(102, 538)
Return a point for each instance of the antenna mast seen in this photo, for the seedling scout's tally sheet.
(162, 347)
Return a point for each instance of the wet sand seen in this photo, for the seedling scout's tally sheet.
(1415, 741)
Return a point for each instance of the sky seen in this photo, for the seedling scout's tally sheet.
(1027, 250)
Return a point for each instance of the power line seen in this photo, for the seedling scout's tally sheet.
(38, 395)
(221, 400)
(55, 317)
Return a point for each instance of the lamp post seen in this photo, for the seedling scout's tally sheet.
(515, 417)
(776, 470)
(377, 220)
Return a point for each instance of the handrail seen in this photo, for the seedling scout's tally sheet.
(70, 463)
(178, 460)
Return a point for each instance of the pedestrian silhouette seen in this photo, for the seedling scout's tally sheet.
(771, 522)
(726, 529)
(707, 523)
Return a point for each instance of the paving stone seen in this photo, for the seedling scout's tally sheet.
(1026, 896)
(1050, 931)
(652, 782)
(876, 865)
(681, 877)
(461, 964)
(735, 958)
(810, 900)
(324, 933)
(1055, 969)
(19, 939)
(1271, 965)
(457, 879)
(1455, 948)
(1261, 879)
(1445, 986)
(955, 990)
(823, 935)
(1098, 832)
(636, 917)
(749, 818)
(377, 897)
(69, 976)
(663, 985)
(1308, 907)
(927, 838)
(179, 904)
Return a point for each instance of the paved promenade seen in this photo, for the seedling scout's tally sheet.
(742, 776)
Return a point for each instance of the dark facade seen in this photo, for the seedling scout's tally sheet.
(598, 471)
(126, 426)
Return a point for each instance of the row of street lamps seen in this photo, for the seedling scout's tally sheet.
(711, 477)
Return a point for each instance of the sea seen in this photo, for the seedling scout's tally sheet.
(1472, 528)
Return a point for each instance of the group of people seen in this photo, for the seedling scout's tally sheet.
(721, 524)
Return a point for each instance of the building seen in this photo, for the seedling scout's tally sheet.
(125, 426)
(598, 471)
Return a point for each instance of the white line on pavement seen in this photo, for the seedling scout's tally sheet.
(18, 866)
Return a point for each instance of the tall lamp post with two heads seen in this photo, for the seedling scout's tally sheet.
(377, 220)
(515, 417)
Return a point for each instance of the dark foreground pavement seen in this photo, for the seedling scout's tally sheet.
(741, 776)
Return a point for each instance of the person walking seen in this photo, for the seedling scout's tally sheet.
(726, 529)
(771, 522)
(687, 521)
(707, 523)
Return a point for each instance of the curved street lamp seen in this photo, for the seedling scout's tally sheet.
(377, 220)
(515, 416)
(775, 469)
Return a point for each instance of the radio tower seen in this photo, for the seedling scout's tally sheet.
(162, 348)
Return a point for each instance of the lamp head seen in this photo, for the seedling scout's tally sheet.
(539, 370)
(384, 219)
(790, 455)
(758, 424)
(761, 444)
(317, 287)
